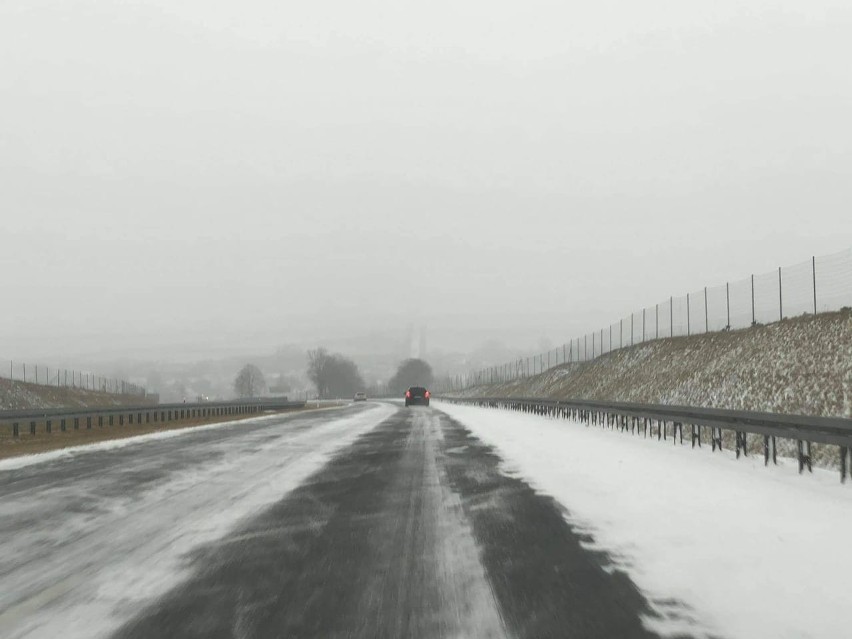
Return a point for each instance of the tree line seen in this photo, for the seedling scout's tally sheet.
(335, 375)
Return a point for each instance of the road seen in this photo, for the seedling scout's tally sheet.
(368, 521)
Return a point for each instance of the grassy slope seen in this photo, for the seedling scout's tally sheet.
(801, 365)
(22, 396)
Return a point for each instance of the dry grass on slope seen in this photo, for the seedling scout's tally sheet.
(16, 395)
(801, 365)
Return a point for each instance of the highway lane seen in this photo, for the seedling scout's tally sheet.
(411, 529)
(86, 539)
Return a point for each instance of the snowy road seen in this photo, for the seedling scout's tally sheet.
(370, 521)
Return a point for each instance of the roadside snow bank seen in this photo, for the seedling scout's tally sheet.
(750, 552)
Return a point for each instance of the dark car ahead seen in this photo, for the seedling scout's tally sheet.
(417, 396)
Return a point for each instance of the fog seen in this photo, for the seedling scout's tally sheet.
(191, 180)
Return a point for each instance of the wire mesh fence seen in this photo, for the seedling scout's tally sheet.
(819, 285)
(68, 378)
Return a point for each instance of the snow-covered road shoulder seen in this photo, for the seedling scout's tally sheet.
(748, 552)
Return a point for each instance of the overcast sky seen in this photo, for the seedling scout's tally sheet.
(194, 172)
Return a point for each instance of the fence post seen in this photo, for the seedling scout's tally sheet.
(780, 299)
(753, 316)
(813, 270)
(688, 327)
(728, 302)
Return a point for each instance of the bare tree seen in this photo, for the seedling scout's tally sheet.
(411, 372)
(318, 362)
(249, 381)
(333, 375)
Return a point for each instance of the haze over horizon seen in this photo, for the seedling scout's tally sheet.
(214, 177)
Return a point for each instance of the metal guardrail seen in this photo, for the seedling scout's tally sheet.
(670, 420)
(16, 423)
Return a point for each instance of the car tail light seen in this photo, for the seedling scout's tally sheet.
(427, 395)
(408, 394)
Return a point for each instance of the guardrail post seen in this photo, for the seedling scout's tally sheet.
(16, 429)
(32, 428)
(804, 450)
(844, 468)
(742, 443)
(48, 426)
(716, 436)
(769, 446)
(696, 435)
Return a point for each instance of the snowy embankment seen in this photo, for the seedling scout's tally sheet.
(18, 395)
(749, 552)
(801, 366)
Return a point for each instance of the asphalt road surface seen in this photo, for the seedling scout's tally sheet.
(370, 521)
